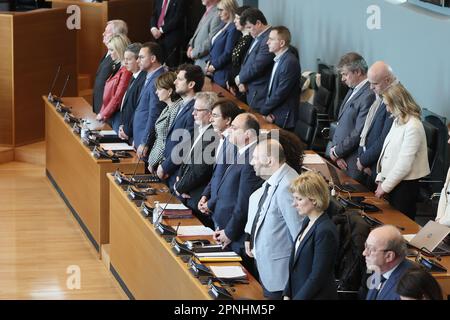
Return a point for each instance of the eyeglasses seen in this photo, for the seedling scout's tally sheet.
(371, 250)
(200, 110)
(215, 115)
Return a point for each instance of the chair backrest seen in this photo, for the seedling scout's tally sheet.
(327, 92)
(431, 133)
(306, 125)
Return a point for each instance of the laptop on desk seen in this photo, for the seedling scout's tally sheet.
(431, 237)
(347, 187)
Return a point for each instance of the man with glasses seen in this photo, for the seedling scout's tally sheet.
(197, 167)
(385, 254)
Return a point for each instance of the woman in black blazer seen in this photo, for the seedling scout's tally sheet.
(311, 266)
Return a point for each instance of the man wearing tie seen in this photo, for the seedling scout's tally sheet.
(385, 253)
(129, 101)
(378, 123)
(283, 95)
(238, 182)
(107, 67)
(166, 26)
(254, 77)
(273, 223)
(149, 107)
(352, 114)
(200, 43)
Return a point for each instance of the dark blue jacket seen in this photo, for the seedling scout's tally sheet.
(389, 290)
(175, 138)
(311, 270)
(283, 97)
(376, 135)
(256, 70)
(220, 54)
(147, 111)
(230, 213)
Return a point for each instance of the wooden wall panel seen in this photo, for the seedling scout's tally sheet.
(6, 81)
(41, 43)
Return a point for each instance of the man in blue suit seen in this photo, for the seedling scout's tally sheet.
(352, 114)
(254, 77)
(149, 107)
(283, 94)
(378, 122)
(238, 182)
(385, 253)
(189, 81)
(273, 223)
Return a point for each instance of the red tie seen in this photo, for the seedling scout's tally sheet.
(163, 13)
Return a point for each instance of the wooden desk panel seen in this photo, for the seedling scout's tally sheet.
(80, 177)
(145, 262)
(6, 81)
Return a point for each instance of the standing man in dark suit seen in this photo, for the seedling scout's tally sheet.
(190, 80)
(254, 77)
(149, 107)
(166, 27)
(238, 182)
(197, 167)
(378, 123)
(352, 114)
(385, 254)
(107, 66)
(283, 94)
(129, 101)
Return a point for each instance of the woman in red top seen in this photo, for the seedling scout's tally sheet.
(117, 83)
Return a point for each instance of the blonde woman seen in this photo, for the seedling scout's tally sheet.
(404, 158)
(311, 266)
(117, 83)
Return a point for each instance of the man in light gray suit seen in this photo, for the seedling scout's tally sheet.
(272, 223)
(209, 25)
(352, 114)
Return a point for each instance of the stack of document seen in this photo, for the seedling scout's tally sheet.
(224, 256)
(312, 159)
(193, 231)
(229, 272)
(116, 147)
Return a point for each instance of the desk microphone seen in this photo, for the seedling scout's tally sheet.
(58, 105)
(135, 169)
(50, 95)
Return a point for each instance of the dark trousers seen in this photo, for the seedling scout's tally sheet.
(404, 197)
(272, 295)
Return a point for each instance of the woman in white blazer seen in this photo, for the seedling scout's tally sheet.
(443, 213)
(404, 158)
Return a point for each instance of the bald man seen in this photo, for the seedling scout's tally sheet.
(378, 123)
(385, 254)
(273, 223)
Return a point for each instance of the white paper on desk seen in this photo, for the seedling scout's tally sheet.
(107, 132)
(173, 206)
(313, 159)
(116, 146)
(228, 272)
(191, 231)
(217, 254)
(408, 237)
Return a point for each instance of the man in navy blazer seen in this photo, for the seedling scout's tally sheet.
(378, 122)
(130, 99)
(283, 94)
(167, 27)
(352, 114)
(238, 182)
(189, 81)
(149, 107)
(254, 77)
(385, 253)
(106, 67)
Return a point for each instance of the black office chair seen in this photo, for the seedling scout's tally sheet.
(306, 126)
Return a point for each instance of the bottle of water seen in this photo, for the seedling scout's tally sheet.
(156, 212)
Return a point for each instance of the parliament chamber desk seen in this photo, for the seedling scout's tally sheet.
(79, 177)
(388, 215)
(143, 261)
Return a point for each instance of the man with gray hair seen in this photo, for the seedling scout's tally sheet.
(378, 122)
(196, 170)
(385, 254)
(131, 96)
(352, 114)
(107, 67)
